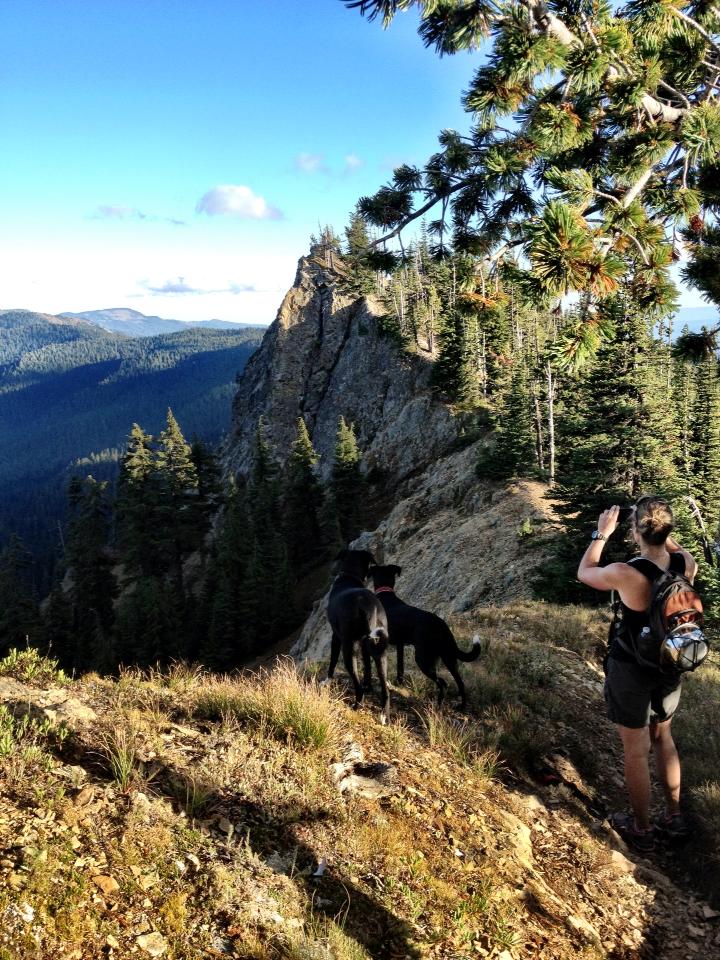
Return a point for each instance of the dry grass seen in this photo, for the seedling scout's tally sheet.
(459, 739)
(323, 940)
(278, 702)
(577, 628)
(118, 751)
(26, 747)
(430, 870)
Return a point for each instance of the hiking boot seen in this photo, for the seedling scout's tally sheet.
(641, 840)
(674, 827)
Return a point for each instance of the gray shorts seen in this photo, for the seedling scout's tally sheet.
(635, 697)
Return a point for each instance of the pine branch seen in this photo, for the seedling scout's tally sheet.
(635, 240)
(696, 26)
(638, 187)
(676, 93)
(554, 27)
(435, 198)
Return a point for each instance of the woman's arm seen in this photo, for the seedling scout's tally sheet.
(691, 566)
(589, 571)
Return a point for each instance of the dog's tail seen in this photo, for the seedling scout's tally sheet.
(379, 635)
(467, 656)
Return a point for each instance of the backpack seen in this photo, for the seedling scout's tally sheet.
(673, 641)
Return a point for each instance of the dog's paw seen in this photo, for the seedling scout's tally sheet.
(383, 719)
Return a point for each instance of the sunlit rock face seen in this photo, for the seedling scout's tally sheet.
(325, 357)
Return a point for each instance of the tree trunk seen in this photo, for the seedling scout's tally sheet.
(483, 366)
(538, 428)
(551, 422)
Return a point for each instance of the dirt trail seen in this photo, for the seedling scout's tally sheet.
(642, 906)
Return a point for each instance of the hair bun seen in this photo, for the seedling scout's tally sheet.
(654, 519)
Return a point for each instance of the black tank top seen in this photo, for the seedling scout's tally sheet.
(635, 620)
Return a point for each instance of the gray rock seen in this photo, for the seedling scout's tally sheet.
(324, 357)
(55, 704)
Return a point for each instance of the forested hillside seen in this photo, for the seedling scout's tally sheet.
(70, 392)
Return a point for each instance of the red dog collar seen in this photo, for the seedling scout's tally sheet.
(384, 590)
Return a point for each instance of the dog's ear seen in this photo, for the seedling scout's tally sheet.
(395, 569)
(370, 558)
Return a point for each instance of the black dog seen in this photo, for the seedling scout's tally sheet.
(429, 634)
(358, 619)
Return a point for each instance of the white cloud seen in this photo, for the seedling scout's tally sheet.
(352, 163)
(237, 201)
(311, 163)
(171, 287)
(116, 211)
(179, 287)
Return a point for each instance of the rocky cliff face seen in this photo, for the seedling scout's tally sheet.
(457, 538)
(324, 357)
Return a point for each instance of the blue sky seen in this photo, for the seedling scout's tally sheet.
(174, 157)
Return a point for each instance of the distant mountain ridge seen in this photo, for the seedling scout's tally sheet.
(135, 324)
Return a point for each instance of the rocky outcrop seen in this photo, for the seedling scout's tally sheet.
(462, 543)
(325, 357)
(56, 704)
(458, 539)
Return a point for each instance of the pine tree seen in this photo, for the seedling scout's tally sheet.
(450, 371)
(684, 402)
(138, 504)
(227, 641)
(180, 514)
(174, 460)
(616, 441)
(58, 638)
(705, 443)
(347, 483)
(90, 565)
(361, 276)
(19, 614)
(150, 625)
(267, 601)
(513, 454)
(330, 532)
(611, 143)
(303, 500)
(209, 475)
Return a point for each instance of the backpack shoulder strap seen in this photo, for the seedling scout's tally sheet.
(646, 567)
(677, 564)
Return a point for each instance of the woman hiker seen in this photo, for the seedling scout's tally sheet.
(641, 700)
